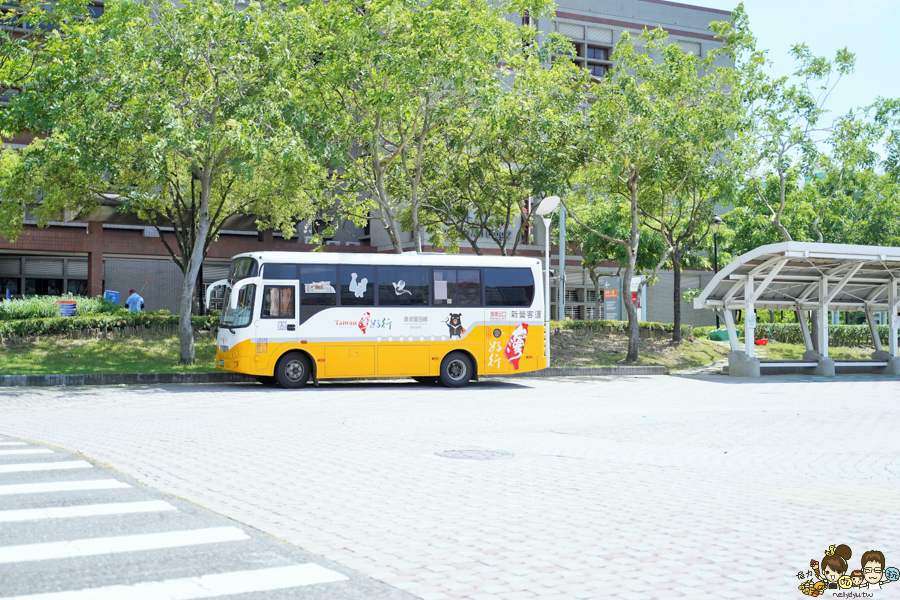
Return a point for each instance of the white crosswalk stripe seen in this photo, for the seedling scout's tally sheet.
(122, 543)
(130, 533)
(25, 451)
(62, 486)
(206, 586)
(88, 510)
(47, 466)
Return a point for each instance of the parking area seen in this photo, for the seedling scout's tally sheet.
(643, 487)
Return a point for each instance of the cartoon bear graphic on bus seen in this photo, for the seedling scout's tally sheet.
(454, 322)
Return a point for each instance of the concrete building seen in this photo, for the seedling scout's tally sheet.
(108, 250)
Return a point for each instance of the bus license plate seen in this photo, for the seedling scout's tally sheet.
(221, 363)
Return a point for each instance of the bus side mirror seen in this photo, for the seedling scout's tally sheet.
(236, 290)
(212, 286)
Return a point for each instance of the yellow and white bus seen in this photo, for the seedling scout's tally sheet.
(289, 316)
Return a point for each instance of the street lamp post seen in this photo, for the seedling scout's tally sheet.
(544, 209)
(716, 223)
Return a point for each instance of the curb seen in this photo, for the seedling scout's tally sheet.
(590, 372)
(161, 378)
(120, 379)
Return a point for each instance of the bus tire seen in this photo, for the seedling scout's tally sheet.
(456, 370)
(267, 380)
(427, 380)
(292, 370)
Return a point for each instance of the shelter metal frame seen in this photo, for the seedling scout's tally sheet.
(810, 278)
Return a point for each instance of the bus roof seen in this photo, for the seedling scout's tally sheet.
(407, 258)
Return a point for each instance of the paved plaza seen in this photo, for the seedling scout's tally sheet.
(645, 487)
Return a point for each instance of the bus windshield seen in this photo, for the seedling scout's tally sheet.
(240, 316)
(242, 268)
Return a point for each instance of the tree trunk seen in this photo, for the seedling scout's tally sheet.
(634, 330)
(676, 271)
(191, 268)
(598, 296)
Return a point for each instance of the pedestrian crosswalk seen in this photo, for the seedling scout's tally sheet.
(72, 531)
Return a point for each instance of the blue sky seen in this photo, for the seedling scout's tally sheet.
(868, 28)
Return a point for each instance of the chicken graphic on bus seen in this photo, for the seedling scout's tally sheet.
(515, 345)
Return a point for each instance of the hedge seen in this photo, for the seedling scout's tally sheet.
(45, 307)
(62, 325)
(789, 333)
(621, 326)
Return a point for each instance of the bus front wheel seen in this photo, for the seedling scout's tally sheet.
(456, 370)
(292, 371)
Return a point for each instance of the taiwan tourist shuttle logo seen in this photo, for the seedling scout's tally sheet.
(836, 574)
(515, 345)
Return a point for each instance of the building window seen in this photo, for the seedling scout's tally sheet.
(78, 287)
(593, 57)
(597, 71)
(597, 53)
(43, 287)
(10, 284)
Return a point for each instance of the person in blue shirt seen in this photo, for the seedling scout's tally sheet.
(134, 302)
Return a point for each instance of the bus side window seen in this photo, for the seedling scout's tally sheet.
(357, 285)
(508, 287)
(278, 302)
(318, 289)
(279, 271)
(403, 286)
(457, 287)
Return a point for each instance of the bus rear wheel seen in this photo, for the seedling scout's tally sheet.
(456, 370)
(292, 371)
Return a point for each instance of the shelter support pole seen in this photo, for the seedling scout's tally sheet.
(732, 330)
(749, 319)
(739, 364)
(825, 366)
(893, 361)
(823, 317)
(873, 329)
(804, 330)
(893, 299)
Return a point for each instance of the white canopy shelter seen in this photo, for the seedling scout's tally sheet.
(814, 277)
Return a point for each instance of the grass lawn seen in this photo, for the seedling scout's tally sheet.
(586, 348)
(120, 355)
(783, 351)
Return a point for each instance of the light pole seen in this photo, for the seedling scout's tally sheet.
(544, 209)
(714, 227)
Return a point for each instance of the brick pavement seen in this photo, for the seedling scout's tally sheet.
(649, 487)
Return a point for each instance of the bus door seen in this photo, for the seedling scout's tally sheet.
(496, 337)
(277, 323)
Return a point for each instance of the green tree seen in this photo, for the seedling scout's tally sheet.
(655, 123)
(395, 76)
(151, 101)
(790, 123)
(506, 153)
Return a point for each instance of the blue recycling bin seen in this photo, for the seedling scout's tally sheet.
(112, 296)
